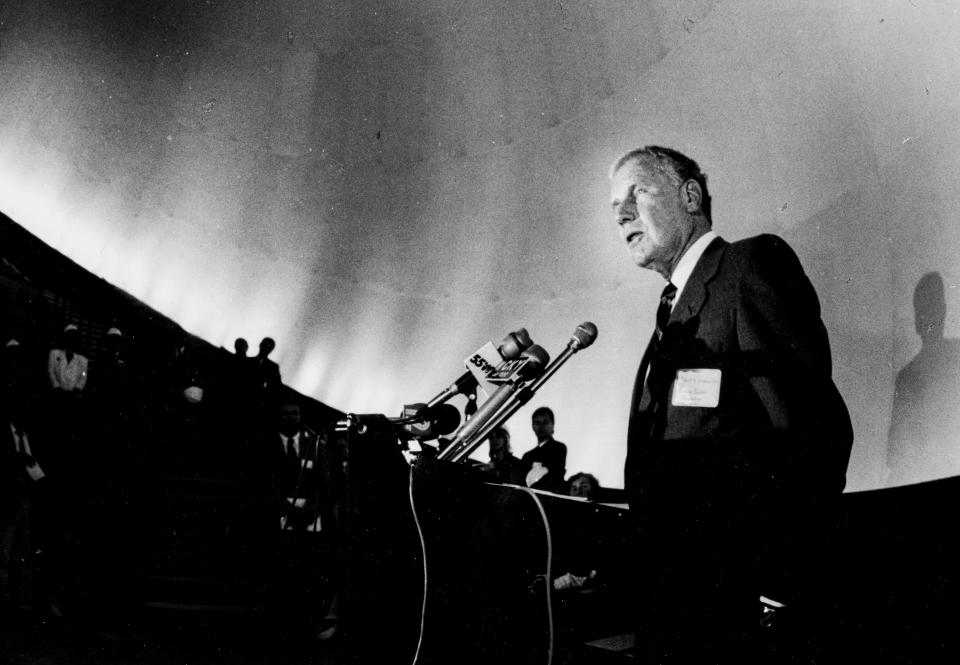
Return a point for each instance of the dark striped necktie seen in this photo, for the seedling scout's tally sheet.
(648, 368)
(666, 305)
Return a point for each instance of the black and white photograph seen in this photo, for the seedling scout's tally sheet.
(433, 332)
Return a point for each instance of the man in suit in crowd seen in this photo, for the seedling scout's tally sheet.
(66, 366)
(267, 371)
(545, 465)
(304, 571)
(20, 484)
(738, 439)
(302, 477)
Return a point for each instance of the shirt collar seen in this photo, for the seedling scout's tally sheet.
(681, 274)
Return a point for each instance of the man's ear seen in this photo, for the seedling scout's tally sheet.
(691, 196)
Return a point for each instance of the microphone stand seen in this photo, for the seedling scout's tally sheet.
(534, 358)
(518, 399)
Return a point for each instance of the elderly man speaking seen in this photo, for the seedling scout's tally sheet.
(738, 440)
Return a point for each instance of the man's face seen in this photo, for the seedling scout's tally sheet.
(289, 419)
(113, 344)
(542, 427)
(646, 207)
(70, 339)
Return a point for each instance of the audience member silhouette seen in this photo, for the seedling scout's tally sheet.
(545, 465)
(21, 481)
(241, 396)
(66, 428)
(302, 474)
(240, 348)
(13, 372)
(110, 452)
(503, 466)
(300, 507)
(267, 370)
(924, 437)
(266, 379)
(585, 485)
(66, 366)
(111, 382)
(112, 473)
(190, 435)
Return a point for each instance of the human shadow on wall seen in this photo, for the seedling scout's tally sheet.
(924, 437)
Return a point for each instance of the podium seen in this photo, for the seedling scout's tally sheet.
(443, 567)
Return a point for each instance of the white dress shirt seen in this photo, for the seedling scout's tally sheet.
(291, 441)
(681, 274)
(68, 375)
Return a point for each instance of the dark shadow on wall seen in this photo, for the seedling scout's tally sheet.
(924, 437)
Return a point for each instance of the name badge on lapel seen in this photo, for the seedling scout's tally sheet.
(697, 387)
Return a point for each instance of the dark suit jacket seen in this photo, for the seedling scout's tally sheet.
(553, 455)
(508, 470)
(308, 480)
(745, 483)
(267, 374)
(15, 483)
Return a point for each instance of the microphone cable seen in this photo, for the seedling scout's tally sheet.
(548, 578)
(423, 556)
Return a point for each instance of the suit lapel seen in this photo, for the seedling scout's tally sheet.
(642, 374)
(307, 448)
(688, 306)
(695, 291)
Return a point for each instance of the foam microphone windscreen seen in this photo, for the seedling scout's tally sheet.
(444, 419)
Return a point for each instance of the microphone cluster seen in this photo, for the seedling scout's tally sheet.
(517, 380)
(510, 372)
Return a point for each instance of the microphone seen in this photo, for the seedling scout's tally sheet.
(481, 363)
(424, 423)
(446, 420)
(583, 336)
(511, 375)
(418, 422)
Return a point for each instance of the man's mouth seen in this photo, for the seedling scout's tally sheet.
(633, 235)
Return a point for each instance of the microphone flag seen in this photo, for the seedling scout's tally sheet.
(482, 364)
